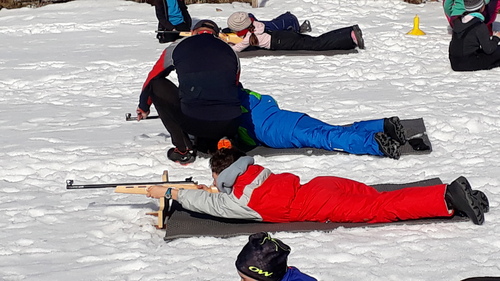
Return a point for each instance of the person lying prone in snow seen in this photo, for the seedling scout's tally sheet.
(264, 123)
(471, 47)
(254, 33)
(285, 21)
(252, 192)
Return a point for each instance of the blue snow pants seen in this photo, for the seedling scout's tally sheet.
(357, 138)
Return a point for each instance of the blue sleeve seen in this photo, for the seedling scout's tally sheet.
(294, 274)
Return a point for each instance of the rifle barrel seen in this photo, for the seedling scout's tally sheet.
(70, 185)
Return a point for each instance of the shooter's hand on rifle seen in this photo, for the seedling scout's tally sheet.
(206, 188)
(159, 192)
(141, 114)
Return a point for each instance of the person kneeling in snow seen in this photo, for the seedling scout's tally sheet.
(205, 103)
(471, 47)
(454, 9)
(265, 259)
(264, 123)
(252, 192)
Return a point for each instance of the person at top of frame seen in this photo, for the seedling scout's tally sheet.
(172, 15)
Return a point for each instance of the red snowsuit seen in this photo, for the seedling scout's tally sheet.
(281, 198)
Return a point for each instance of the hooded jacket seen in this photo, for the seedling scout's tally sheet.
(258, 194)
(470, 36)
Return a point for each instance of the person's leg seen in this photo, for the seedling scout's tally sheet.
(339, 39)
(183, 27)
(375, 126)
(311, 132)
(489, 61)
(343, 200)
(480, 61)
(166, 101)
(208, 133)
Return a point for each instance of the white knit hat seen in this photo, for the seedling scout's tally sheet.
(239, 21)
(473, 5)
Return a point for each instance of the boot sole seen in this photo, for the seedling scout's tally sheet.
(398, 129)
(484, 203)
(385, 146)
(473, 211)
(359, 36)
(483, 200)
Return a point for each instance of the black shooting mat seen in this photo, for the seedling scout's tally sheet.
(265, 52)
(183, 223)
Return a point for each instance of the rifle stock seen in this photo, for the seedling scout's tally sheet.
(141, 189)
(230, 38)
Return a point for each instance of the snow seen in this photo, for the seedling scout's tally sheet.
(69, 73)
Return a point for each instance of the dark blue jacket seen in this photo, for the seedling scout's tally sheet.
(294, 274)
(286, 21)
(208, 72)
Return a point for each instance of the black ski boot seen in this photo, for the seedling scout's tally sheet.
(394, 129)
(483, 200)
(305, 27)
(484, 204)
(181, 157)
(388, 146)
(459, 197)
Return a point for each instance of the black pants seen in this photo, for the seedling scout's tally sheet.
(206, 132)
(478, 61)
(339, 39)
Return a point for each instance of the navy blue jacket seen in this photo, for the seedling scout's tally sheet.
(293, 274)
(208, 72)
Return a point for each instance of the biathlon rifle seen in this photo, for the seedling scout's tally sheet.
(232, 38)
(141, 188)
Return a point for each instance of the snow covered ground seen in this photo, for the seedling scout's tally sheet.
(69, 73)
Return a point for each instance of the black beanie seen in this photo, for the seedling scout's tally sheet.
(263, 258)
